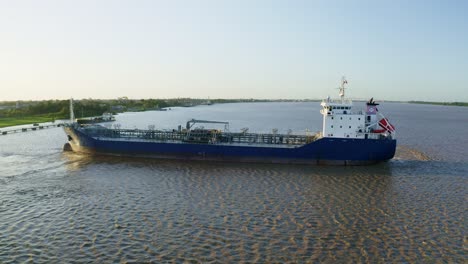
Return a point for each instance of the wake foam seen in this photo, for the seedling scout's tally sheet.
(407, 153)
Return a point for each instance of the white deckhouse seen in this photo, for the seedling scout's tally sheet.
(340, 120)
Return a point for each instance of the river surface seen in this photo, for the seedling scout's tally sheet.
(62, 207)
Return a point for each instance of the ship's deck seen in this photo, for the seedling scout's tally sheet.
(201, 137)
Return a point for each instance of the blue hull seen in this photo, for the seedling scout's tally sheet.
(322, 151)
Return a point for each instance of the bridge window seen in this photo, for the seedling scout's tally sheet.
(341, 126)
(349, 126)
(332, 126)
(341, 118)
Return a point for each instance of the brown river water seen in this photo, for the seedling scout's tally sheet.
(63, 207)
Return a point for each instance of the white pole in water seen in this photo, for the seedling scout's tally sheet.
(72, 113)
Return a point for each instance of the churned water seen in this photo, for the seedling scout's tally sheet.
(58, 207)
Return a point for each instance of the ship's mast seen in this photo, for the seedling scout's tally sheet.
(342, 88)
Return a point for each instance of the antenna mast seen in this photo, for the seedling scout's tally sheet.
(342, 88)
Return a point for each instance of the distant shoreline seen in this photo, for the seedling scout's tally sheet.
(440, 103)
(193, 102)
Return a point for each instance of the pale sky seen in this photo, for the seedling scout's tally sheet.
(392, 50)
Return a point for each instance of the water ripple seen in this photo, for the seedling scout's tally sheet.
(65, 208)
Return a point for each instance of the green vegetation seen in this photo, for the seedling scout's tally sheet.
(43, 111)
(440, 103)
(32, 112)
(29, 112)
(11, 121)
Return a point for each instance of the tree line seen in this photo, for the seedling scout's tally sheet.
(60, 109)
(441, 103)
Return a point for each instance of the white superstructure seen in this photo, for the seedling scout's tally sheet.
(340, 120)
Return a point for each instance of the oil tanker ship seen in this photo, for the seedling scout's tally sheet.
(348, 137)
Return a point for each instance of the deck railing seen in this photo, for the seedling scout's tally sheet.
(204, 136)
(337, 101)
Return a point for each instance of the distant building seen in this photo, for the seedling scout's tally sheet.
(117, 108)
